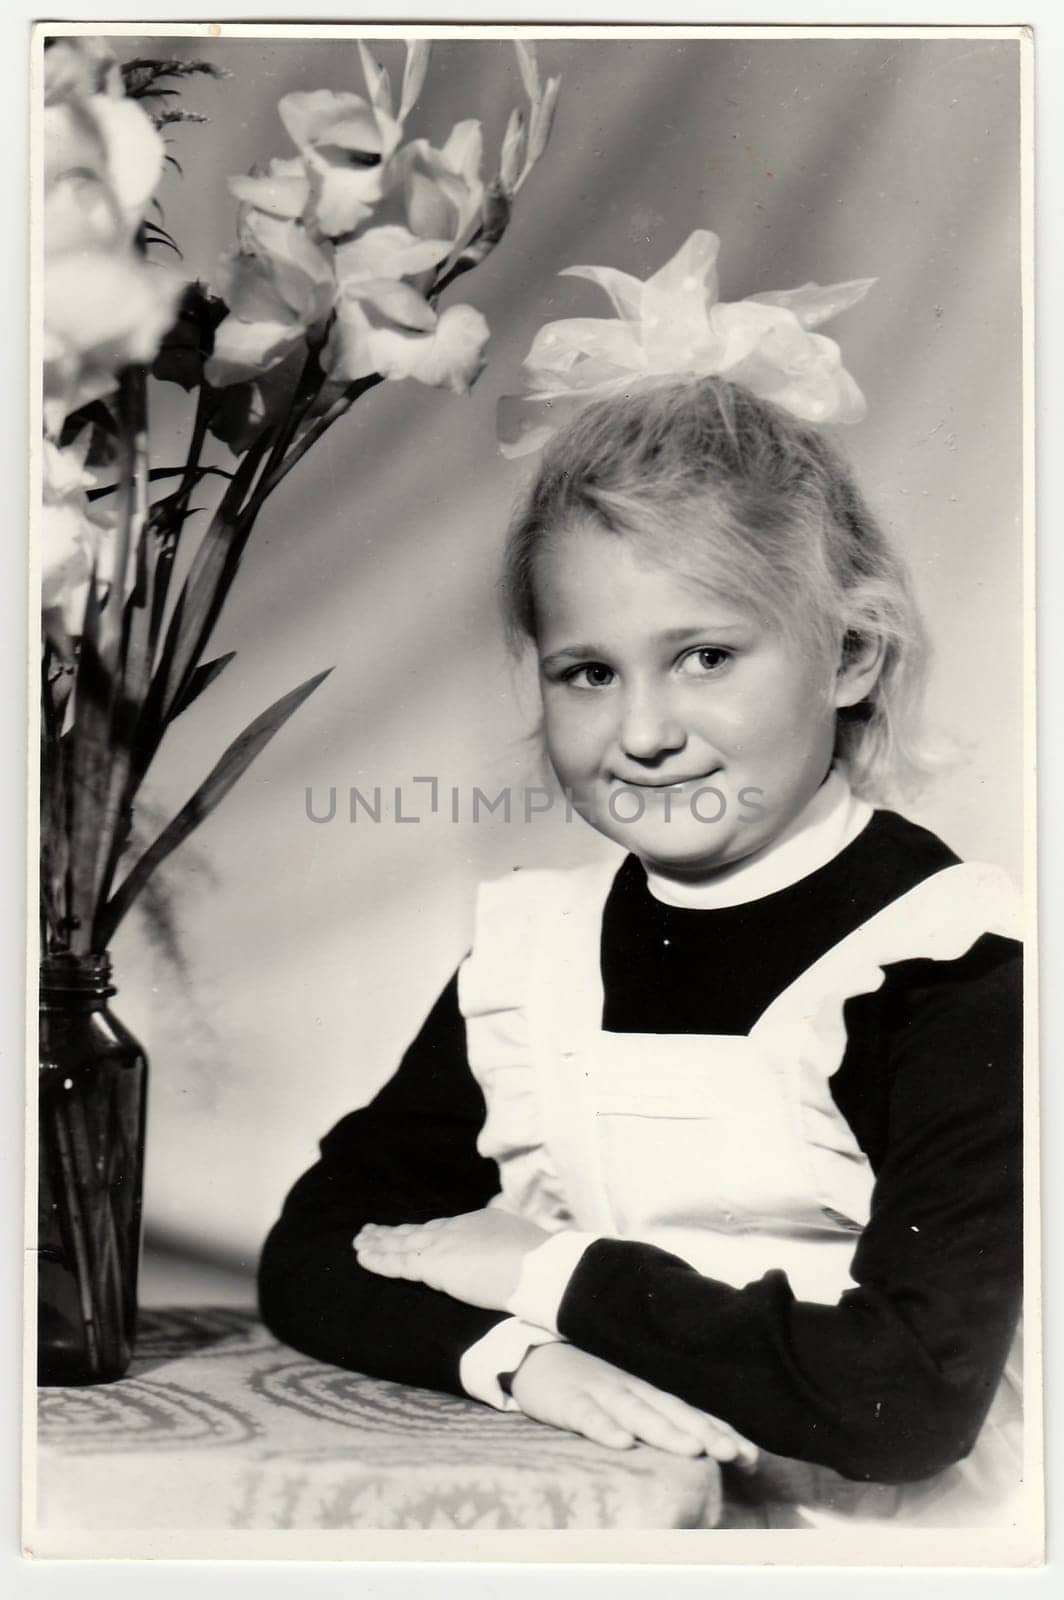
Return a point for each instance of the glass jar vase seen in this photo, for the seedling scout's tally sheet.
(91, 1101)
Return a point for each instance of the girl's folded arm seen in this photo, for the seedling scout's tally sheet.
(891, 1384)
(409, 1156)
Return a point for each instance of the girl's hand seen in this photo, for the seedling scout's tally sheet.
(476, 1257)
(567, 1388)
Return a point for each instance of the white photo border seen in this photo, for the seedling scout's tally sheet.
(628, 1549)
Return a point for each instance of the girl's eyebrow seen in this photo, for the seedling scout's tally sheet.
(594, 652)
(569, 652)
(672, 635)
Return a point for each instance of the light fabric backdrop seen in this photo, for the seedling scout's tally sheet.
(293, 961)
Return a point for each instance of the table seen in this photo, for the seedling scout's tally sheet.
(218, 1426)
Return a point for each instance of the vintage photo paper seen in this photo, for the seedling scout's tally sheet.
(532, 541)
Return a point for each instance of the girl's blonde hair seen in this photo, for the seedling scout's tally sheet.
(707, 479)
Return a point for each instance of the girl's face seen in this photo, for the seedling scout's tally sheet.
(685, 728)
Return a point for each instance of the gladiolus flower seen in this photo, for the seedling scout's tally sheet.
(429, 217)
(543, 103)
(78, 67)
(74, 538)
(442, 189)
(279, 286)
(387, 327)
(391, 251)
(347, 144)
(281, 191)
(102, 162)
(105, 307)
(103, 310)
(244, 409)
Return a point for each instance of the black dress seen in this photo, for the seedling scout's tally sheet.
(890, 1385)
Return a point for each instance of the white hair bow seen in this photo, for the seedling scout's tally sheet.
(673, 326)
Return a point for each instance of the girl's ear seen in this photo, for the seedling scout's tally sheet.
(859, 668)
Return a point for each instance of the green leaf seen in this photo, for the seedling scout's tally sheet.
(152, 233)
(203, 594)
(142, 78)
(201, 679)
(232, 765)
(156, 475)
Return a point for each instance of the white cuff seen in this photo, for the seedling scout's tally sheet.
(502, 1349)
(545, 1278)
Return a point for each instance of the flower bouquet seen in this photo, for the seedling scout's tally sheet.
(343, 251)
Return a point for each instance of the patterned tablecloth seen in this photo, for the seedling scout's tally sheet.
(219, 1426)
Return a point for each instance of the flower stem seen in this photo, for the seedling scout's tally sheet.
(168, 516)
(78, 1240)
(270, 479)
(306, 392)
(134, 664)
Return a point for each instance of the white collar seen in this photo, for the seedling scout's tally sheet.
(832, 820)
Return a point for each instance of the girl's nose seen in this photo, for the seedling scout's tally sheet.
(649, 727)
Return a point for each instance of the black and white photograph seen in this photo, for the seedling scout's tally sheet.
(532, 839)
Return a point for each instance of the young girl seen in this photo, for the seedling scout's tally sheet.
(715, 1147)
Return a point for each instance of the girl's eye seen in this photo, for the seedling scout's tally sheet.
(704, 662)
(592, 675)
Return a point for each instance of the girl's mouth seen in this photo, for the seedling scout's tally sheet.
(668, 783)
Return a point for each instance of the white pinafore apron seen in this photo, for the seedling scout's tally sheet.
(727, 1150)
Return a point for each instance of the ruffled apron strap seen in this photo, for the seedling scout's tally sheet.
(521, 1004)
